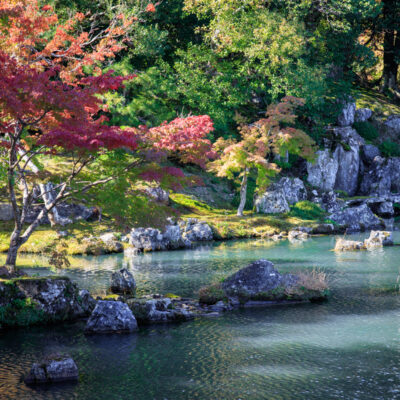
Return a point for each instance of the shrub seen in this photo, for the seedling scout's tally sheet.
(389, 149)
(366, 130)
(307, 210)
(211, 294)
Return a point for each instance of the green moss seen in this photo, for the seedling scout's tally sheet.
(307, 210)
(376, 101)
(172, 296)
(21, 312)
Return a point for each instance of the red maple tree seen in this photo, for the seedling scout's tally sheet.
(49, 105)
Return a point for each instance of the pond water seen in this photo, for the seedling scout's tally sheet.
(347, 348)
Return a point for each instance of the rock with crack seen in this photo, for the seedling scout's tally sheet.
(272, 202)
(347, 115)
(111, 317)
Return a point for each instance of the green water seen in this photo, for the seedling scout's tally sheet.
(347, 348)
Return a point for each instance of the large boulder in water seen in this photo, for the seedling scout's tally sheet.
(256, 280)
(111, 317)
(123, 282)
(56, 368)
(322, 172)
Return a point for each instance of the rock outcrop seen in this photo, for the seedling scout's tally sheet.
(322, 172)
(358, 218)
(362, 115)
(347, 115)
(123, 282)
(53, 369)
(111, 317)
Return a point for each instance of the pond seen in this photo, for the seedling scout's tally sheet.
(347, 348)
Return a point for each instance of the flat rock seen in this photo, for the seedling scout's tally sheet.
(379, 239)
(348, 245)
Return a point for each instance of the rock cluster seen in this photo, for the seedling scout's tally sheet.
(376, 239)
(175, 235)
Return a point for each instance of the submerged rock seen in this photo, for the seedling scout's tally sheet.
(379, 239)
(111, 317)
(348, 245)
(156, 309)
(298, 235)
(123, 282)
(56, 368)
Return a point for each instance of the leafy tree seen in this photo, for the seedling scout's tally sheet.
(261, 142)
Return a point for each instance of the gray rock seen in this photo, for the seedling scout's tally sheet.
(123, 282)
(394, 168)
(293, 189)
(56, 298)
(197, 231)
(368, 153)
(272, 202)
(392, 124)
(377, 179)
(158, 194)
(6, 212)
(298, 235)
(111, 317)
(379, 239)
(354, 219)
(160, 310)
(362, 115)
(113, 245)
(323, 229)
(381, 207)
(147, 239)
(87, 301)
(256, 280)
(348, 245)
(347, 115)
(58, 368)
(330, 203)
(322, 173)
(347, 154)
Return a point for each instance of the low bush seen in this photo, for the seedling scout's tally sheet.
(366, 130)
(211, 294)
(389, 149)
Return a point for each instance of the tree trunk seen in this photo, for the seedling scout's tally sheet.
(391, 48)
(243, 193)
(12, 253)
